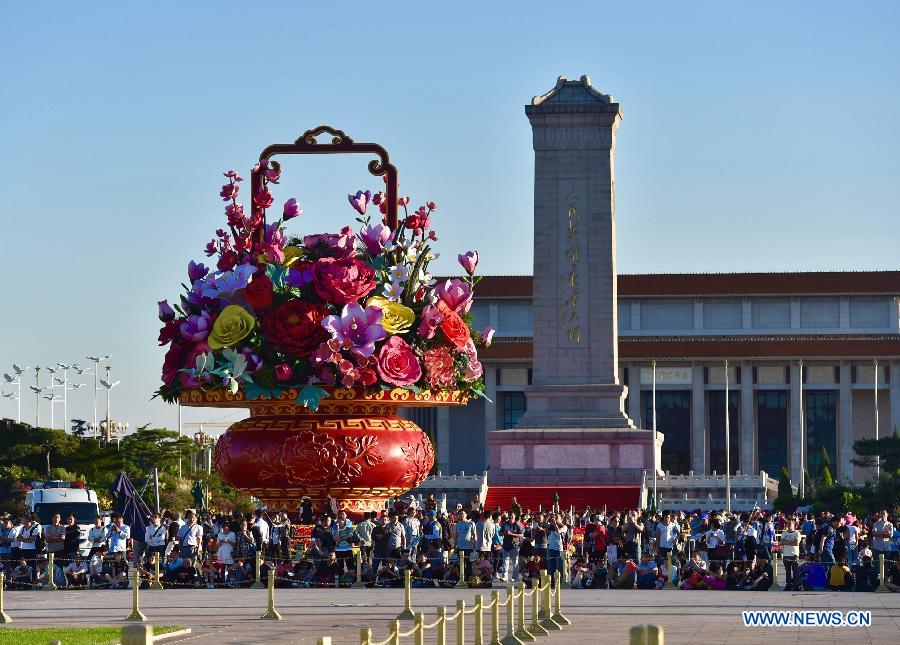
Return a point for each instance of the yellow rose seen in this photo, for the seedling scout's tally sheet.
(291, 255)
(232, 325)
(395, 318)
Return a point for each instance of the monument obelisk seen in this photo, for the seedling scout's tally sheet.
(575, 429)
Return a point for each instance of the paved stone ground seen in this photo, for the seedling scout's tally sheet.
(230, 616)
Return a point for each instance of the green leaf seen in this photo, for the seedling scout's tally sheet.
(310, 396)
(413, 388)
(481, 394)
(254, 391)
(276, 274)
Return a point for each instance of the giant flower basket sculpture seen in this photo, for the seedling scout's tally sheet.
(322, 337)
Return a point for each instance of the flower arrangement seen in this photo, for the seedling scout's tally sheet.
(353, 308)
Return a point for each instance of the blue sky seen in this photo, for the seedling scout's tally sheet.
(756, 137)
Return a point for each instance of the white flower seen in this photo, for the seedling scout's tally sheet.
(393, 291)
(399, 273)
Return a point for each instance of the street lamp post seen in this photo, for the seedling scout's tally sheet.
(97, 360)
(802, 439)
(37, 397)
(655, 499)
(727, 446)
(877, 456)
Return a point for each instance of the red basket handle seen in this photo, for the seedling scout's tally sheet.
(340, 143)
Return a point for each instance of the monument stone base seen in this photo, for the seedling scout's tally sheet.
(571, 456)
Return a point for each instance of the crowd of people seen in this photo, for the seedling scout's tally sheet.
(591, 549)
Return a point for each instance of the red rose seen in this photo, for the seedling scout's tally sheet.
(367, 376)
(397, 364)
(342, 281)
(295, 327)
(169, 331)
(259, 292)
(227, 261)
(454, 327)
(171, 364)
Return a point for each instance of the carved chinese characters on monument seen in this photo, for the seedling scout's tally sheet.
(573, 323)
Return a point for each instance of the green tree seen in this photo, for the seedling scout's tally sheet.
(808, 487)
(886, 449)
(46, 443)
(155, 447)
(785, 501)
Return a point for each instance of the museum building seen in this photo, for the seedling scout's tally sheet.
(839, 330)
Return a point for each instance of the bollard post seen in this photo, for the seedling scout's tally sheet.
(137, 635)
(647, 635)
(420, 628)
(136, 614)
(495, 618)
(394, 633)
(479, 619)
(51, 584)
(510, 638)
(521, 631)
(669, 573)
(407, 613)
(545, 613)
(365, 635)
(442, 626)
(462, 584)
(567, 570)
(460, 622)
(4, 617)
(324, 640)
(271, 612)
(536, 628)
(775, 586)
(882, 588)
(258, 584)
(359, 581)
(155, 583)
(557, 616)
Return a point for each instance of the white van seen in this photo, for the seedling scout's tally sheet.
(46, 499)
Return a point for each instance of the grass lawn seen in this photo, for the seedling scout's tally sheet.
(67, 635)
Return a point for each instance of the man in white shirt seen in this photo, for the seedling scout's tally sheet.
(119, 534)
(667, 534)
(76, 572)
(882, 531)
(155, 538)
(790, 553)
(263, 526)
(556, 541)
(364, 532)
(28, 537)
(190, 536)
(96, 535)
(14, 544)
(413, 529)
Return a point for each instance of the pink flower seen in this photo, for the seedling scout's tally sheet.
(403, 201)
(232, 174)
(431, 206)
(468, 261)
(273, 173)
(196, 328)
(291, 209)
(397, 364)
(283, 372)
(439, 370)
(359, 201)
(431, 319)
(487, 335)
(456, 294)
(375, 237)
(342, 281)
(263, 199)
(212, 248)
(340, 245)
(474, 369)
(229, 191)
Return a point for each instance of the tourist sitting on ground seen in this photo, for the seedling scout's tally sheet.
(77, 572)
(865, 576)
(482, 569)
(318, 553)
(582, 574)
(284, 574)
(892, 576)
(840, 578)
(421, 572)
(813, 576)
(22, 575)
(330, 570)
(621, 573)
(451, 575)
(208, 573)
(115, 572)
(96, 565)
(758, 577)
(388, 574)
(305, 573)
(715, 577)
(693, 572)
(735, 575)
(647, 572)
(436, 566)
(186, 574)
(532, 570)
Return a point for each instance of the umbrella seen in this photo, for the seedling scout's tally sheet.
(130, 506)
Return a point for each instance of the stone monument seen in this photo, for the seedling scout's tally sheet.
(575, 429)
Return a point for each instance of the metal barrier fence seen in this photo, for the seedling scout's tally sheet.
(546, 616)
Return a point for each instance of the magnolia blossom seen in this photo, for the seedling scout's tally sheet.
(291, 209)
(166, 313)
(225, 285)
(359, 201)
(275, 241)
(487, 335)
(431, 319)
(340, 245)
(456, 294)
(196, 328)
(196, 271)
(375, 237)
(362, 327)
(473, 369)
(468, 261)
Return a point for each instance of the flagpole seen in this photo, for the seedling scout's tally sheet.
(179, 436)
(802, 439)
(655, 499)
(727, 446)
(877, 455)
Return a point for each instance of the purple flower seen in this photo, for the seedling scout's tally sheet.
(300, 277)
(340, 245)
(360, 200)
(362, 327)
(431, 318)
(166, 313)
(274, 248)
(254, 362)
(196, 271)
(196, 328)
(291, 209)
(375, 237)
(468, 260)
(487, 335)
(456, 294)
(225, 285)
